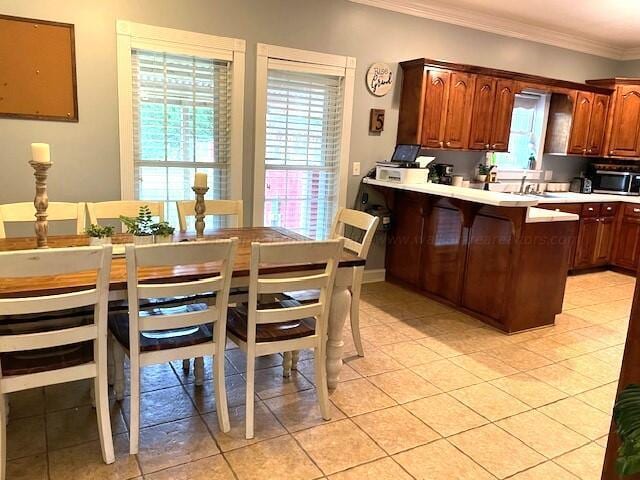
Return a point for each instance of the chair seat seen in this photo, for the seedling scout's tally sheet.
(45, 359)
(162, 339)
(237, 320)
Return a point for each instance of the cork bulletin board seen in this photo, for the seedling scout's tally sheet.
(37, 70)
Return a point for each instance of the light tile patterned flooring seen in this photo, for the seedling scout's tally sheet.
(438, 396)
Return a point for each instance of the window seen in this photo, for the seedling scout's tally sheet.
(302, 131)
(182, 111)
(526, 137)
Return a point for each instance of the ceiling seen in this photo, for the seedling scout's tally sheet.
(609, 28)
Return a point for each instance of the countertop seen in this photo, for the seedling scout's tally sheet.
(498, 199)
(570, 197)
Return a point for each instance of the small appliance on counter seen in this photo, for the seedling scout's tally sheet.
(619, 182)
(443, 173)
(580, 185)
(403, 167)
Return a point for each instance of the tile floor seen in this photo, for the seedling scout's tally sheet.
(438, 396)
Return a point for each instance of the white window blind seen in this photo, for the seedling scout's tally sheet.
(302, 150)
(181, 124)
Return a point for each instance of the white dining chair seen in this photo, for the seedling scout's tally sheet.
(51, 353)
(365, 226)
(227, 208)
(129, 208)
(164, 334)
(26, 212)
(285, 325)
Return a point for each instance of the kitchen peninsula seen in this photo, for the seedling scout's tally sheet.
(495, 256)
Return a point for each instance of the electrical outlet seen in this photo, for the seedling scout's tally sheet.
(356, 168)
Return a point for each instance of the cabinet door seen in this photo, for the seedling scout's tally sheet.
(435, 108)
(404, 242)
(627, 247)
(625, 126)
(580, 125)
(502, 113)
(586, 243)
(458, 119)
(482, 113)
(597, 124)
(604, 241)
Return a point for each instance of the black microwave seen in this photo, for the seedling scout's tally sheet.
(620, 183)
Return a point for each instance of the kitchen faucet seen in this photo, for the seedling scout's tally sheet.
(522, 191)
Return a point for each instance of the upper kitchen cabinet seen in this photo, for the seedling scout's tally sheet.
(502, 113)
(458, 112)
(491, 114)
(622, 138)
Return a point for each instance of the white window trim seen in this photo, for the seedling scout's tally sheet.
(313, 62)
(136, 35)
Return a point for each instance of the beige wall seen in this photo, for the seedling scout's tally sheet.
(86, 154)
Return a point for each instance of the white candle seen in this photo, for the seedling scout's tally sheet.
(40, 152)
(201, 180)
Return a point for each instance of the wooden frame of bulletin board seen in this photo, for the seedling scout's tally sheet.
(40, 83)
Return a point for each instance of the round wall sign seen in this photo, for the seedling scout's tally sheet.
(379, 79)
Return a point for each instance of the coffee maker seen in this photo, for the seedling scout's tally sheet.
(443, 173)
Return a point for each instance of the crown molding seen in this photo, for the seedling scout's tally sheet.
(503, 26)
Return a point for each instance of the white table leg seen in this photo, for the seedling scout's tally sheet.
(340, 304)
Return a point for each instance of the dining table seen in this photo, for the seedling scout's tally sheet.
(340, 300)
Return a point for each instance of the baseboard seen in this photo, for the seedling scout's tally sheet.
(374, 275)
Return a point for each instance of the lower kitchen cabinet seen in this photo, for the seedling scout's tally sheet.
(586, 243)
(626, 251)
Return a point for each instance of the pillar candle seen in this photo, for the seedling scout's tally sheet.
(201, 180)
(40, 152)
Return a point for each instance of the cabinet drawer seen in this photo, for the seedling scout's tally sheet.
(609, 209)
(590, 209)
(632, 209)
(562, 207)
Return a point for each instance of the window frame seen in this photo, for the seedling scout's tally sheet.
(308, 62)
(132, 35)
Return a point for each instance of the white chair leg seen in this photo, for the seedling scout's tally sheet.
(134, 424)
(110, 361)
(354, 314)
(198, 371)
(3, 438)
(251, 369)
(320, 363)
(118, 374)
(221, 392)
(186, 365)
(295, 356)
(104, 418)
(287, 359)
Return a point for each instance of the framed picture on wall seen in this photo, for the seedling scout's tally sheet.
(40, 81)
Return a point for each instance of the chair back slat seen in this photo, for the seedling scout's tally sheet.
(40, 263)
(179, 289)
(221, 252)
(48, 303)
(178, 320)
(360, 220)
(129, 208)
(326, 253)
(234, 208)
(34, 341)
(274, 315)
(56, 211)
(278, 285)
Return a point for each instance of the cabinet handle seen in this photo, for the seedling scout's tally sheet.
(557, 209)
(441, 143)
(609, 208)
(486, 145)
(584, 150)
(636, 210)
(495, 145)
(590, 208)
(448, 144)
(610, 152)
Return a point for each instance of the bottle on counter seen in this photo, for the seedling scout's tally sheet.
(532, 162)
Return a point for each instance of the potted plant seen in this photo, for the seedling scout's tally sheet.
(483, 171)
(140, 226)
(99, 235)
(626, 414)
(162, 232)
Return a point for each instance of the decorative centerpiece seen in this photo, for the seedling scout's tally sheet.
(41, 162)
(483, 171)
(99, 235)
(140, 226)
(162, 232)
(200, 188)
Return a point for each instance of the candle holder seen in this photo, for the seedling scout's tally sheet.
(41, 201)
(200, 209)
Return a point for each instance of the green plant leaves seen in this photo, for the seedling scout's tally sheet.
(626, 414)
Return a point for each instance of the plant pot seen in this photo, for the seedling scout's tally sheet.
(163, 238)
(481, 178)
(143, 239)
(95, 241)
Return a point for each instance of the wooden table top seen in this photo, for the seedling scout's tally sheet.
(11, 287)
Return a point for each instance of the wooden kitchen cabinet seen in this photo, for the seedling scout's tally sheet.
(624, 136)
(627, 245)
(502, 113)
(579, 136)
(436, 97)
(403, 261)
(491, 114)
(458, 113)
(597, 125)
(586, 242)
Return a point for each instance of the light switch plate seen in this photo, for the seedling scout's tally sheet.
(356, 168)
